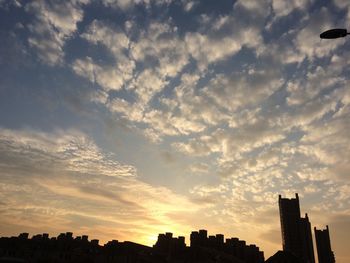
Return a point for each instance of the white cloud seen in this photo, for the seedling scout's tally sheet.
(201, 168)
(61, 151)
(54, 24)
(344, 5)
(206, 49)
(284, 51)
(193, 148)
(231, 144)
(113, 38)
(284, 8)
(161, 42)
(168, 124)
(262, 8)
(311, 111)
(123, 4)
(189, 5)
(161, 55)
(219, 38)
(127, 4)
(242, 90)
(317, 94)
(6, 4)
(147, 84)
(328, 144)
(160, 122)
(314, 83)
(132, 112)
(78, 184)
(195, 105)
(308, 42)
(108, 77)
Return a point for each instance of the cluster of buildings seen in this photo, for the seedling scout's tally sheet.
(68, 249)
(296, 240)
(296, 234)
(203, 248)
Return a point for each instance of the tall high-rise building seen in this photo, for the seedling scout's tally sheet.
(323, 243)
(306, 239)
(289, 216)
(296, 231)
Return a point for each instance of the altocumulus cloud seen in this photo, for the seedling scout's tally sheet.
(243, 89)
(63, 179)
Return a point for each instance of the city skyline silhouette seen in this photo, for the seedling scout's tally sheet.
(297, 246)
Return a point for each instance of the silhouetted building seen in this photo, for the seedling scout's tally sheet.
(85, 238)
(23, 236)
(289, 216)
(296, 231)
(169, 245)
(323, 243)
(306, 239)
(233, 247)
(284, 257)
(168, 249)
(199, 238)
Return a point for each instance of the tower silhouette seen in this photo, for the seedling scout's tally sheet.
(296, 231)
(323, 243)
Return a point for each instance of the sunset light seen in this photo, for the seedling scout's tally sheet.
(126, 119)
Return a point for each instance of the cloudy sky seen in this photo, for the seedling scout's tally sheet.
(123, 119)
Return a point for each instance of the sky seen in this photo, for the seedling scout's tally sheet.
(123, 119)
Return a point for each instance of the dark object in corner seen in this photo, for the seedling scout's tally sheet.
(334, 33)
